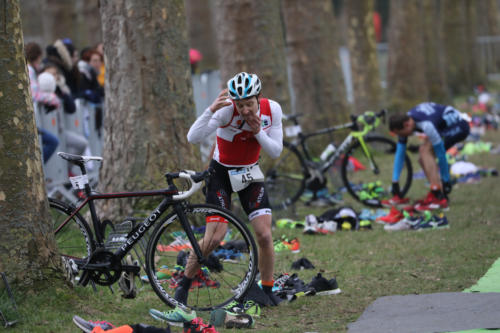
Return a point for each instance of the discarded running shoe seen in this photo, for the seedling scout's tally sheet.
(407, 223)
(176, 317)
(394, 216)
(288, 223)
(365, 225)
(394, 201)
(293, 244)
(223, 318)
(302, 263)
(249, 307)
(323, 286)
(198, 326)
(311, 226)
(87, 325)
(435, 222)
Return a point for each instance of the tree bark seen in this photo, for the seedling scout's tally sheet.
(27, 247)
(363, 55)
(459, 43)
(407, 84)
(250, 39)
(313, 53)
(201, 32)
(149, 103)
(435, 63)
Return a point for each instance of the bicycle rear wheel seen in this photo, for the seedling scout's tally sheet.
(370, 184)
(285, 177)
(73, 238)
(231, 266)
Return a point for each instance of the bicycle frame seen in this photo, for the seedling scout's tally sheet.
(141, 228)
(356, 134)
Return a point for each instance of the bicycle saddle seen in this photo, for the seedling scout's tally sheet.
(77, 158)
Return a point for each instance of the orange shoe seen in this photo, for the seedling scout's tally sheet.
(293, 245)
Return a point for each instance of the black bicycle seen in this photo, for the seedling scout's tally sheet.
(220, 279)
(364, 160)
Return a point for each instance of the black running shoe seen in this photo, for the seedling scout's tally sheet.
(324, 286)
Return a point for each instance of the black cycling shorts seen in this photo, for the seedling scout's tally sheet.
(253, 198)
(455, 134)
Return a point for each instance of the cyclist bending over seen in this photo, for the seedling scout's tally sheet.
(244, 125)
(443, 127)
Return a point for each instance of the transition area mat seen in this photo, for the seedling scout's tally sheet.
(475, 310)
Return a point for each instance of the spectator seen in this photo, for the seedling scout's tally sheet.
(102, 71)
(89, 67)
(195, 57)
(34, 58)
(63, 56)
(62, 90)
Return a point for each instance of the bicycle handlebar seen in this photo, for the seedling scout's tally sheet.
(195, 178)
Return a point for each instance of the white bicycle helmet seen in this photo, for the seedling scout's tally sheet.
(244, 85)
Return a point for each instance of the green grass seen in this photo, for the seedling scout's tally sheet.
(367, 265)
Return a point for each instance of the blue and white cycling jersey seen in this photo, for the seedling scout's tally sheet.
(436, 121)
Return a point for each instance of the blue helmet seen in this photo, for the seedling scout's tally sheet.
(243, 85)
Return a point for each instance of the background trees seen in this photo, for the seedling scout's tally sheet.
(315, 72)
(250, 38)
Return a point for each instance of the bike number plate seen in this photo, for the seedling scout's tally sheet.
(292, 131)
(79, 182)
(242, 177)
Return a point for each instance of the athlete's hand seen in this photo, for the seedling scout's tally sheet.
(221, 101)
(253, 121)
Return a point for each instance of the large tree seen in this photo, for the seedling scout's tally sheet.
(250, 38)
(406, 77)
(27, 245)
(149, 104)
(367, 90)
(435, 63)
(313, 53)
(459, 42)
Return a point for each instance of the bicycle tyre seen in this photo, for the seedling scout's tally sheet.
(168, 244)
(383, 150)
(285, 177)
(74, 240)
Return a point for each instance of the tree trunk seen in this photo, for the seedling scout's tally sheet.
(435, 63)
(27, 248)
(250, 38)
(363, 55)
(460, 45)
(316, 76)
(149, 104)
(406, 65)
(487, 14)
(201, 32)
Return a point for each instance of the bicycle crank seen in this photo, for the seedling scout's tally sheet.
(103, 267)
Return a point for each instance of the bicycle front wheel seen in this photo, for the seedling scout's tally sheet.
(367, 174)
(231, 263)
(73, 236)
(285, 177)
